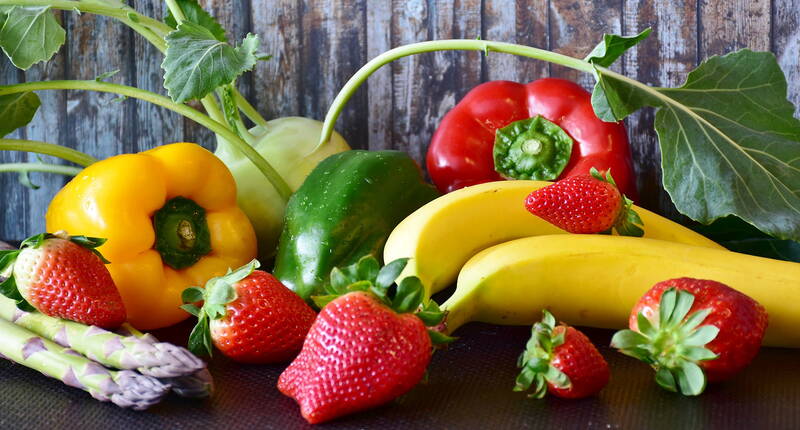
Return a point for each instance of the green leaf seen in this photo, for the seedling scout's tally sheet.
(439, 338)
(604, 54)
(691, 379)
(339, 281)
(192, 309)
(729, 140)
(697, 353)
(17, 110)
(196, 14)
(666, 305)
(683, 304)
(389, 273)
(644, 325)
(613, 46)
(739, 236)
(695, 320)
(557, 377)
(88, 242)
(30, 35)
(192, 295)
(196, 63)
(702, 336)
(106, 75)
(368, 268)
(628, 341)
(666, 379)
(200, 338)
(409, 295)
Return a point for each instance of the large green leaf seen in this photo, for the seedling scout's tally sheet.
(196, 14)
(739, 236)
(197, 63)
(30, 35)
(729, 142)
(17, 110)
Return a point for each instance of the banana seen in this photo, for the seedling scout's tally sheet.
(594, 280)
(442, 235)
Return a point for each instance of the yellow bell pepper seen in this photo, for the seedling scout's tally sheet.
(171, 220)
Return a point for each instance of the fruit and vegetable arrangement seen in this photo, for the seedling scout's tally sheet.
(287, 246)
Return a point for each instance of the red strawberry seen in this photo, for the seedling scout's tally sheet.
(250, 316)
(364, 349)
(585, 204)
(561, 360)
(683, 352)
(63, 276)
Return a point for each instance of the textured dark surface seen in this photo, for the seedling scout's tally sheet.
(469, 387)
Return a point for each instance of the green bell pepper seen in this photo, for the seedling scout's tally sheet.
(345, 210)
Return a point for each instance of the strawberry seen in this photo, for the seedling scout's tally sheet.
(249, 315)
(692, 331)
(561, 360)
(65, 277)
(364, 349)
(585, 204)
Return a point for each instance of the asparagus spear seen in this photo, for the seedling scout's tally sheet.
(158, 359)
(197, 385)
(124, 388)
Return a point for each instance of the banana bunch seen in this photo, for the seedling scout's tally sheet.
(510, 264)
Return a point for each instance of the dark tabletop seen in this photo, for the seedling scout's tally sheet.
(469, 387)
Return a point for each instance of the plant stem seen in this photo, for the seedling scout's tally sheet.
(438, 45)
(248, 110)
(40, 167)
(157, 99)
(45, 148)
(151, 29)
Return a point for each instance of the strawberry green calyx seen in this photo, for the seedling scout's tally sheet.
(217, 293)
(628, 223)
(673, 344)
(8, 257)
(535, 361)
(409, 296)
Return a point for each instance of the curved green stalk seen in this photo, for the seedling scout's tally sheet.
(438, 45)
(40, 167)
(248, 110)
(151, 29)
(157, 99)
(45, 148)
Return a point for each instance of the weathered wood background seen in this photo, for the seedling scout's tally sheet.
(318, 44)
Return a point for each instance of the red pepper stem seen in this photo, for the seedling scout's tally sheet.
(486, 46)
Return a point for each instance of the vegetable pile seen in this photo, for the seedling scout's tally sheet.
(143, 241)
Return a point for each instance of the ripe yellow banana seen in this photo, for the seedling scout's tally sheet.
(442, 235)
(594, 280)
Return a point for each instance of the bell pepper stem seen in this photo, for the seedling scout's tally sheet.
(40, 167)
(486, 46)
(219, 128)
(45, 148)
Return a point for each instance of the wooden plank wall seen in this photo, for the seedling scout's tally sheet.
(318, 44)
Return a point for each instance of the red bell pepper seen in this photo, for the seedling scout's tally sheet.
(463, 150)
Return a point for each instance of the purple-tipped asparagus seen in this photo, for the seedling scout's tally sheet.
(158, 359)
(196, 385)
(125, 388)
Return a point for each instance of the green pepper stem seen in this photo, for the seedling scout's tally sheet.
(486, 46)
(40, 167)
(221, 129)
(45, 148)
